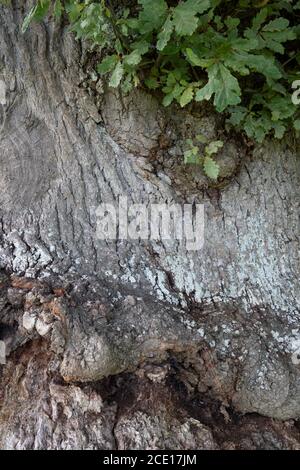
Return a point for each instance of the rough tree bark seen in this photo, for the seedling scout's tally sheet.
(137, 345)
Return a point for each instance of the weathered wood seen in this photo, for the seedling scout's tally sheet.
(224, 320)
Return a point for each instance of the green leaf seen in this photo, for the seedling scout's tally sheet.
(118, 47)
(257, 127)
(57, 9)
(37, 13)
(142, 46)
(116, 76)
(127, 85)
(214, 147)
(232, 23)
(193, 58)
(279, 130)
(165, 34)
(42, 10)
(261, 63)
(152, 83)
(192, 156)
(279, 24)
(223, 85)
(134, 58)
(74, 11)
(107, 64)
(152, 16)
(189, 157)
(211, 168)
(201, 138)
(259, 19)
(168, 99)
(178, 90)
(184, 16)
(281, 107)
(244, 50)
(297, 124)
(28, 18)
(186, 97)
(196, 61)
(185, 22)
(273, 40)
(238, 114)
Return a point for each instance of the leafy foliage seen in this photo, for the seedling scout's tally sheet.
(194, 155)
(242, 56)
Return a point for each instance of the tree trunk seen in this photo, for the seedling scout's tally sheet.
(137, 344)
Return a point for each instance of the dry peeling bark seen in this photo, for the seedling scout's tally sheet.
(137, 344)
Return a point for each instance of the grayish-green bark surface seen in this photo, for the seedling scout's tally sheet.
(100, 349)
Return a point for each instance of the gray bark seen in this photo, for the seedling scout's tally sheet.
(120, 344)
